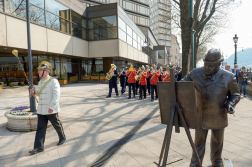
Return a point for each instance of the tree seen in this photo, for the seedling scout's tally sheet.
(210, 16)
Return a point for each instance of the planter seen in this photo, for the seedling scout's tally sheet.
(21, 123)
(63, 82)
(73, 78)
(102, 77)
(88, 77)
(95, 77)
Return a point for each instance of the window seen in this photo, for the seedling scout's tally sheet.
(1, 5)
(122, 35)
(129, 31)
(37, 14)
(78, 31)
(57, 8)
(134, 36)
(121, 24)
(142, 10)
(139, 46)
(128, 6)
(161, 54)
(142, 20)
(78, 19)
(129, 40)
(102, 28)
(135, 44)
(39, 3)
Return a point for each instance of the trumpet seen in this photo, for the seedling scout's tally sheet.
(119, 75)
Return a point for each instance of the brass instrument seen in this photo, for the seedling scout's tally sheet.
(137, 76)
(111, 71)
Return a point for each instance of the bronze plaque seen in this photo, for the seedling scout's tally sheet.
(185, 95)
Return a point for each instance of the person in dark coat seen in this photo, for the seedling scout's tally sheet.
(113, 81)
(148, 79)
(122, 77)
(217, 94)
(161, 73)
(127, 69)
(179, 74)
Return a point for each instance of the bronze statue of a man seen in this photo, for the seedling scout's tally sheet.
(217, 94)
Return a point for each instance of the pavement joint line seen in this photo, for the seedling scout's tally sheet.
(103, 159)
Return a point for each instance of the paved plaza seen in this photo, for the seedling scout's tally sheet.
(94, 124)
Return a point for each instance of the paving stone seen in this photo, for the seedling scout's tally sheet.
(24, 161)
(54, 163)
(75, 160)
(49, 154)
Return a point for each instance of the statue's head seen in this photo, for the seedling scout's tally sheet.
(212, 61)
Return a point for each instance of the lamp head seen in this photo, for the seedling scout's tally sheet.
(15, 52)
(235, 39)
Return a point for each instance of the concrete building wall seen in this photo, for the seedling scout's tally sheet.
(3, 35)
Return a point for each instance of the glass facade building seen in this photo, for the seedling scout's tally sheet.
(55, 16)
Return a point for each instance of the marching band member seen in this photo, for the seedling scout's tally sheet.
(131, 81)
(166, 74)
(113, 81)
(48, 107)
(127, 69)
(122, 77)
(148, 78)
(154, 79)
(142, 83)
(137, 82)
(161, 73)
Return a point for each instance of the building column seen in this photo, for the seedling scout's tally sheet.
(107, 61)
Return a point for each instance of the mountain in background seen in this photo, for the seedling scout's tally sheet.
(244, 58)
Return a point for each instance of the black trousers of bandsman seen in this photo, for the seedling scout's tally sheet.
(42, 126)
(116, 91)
(153, 87)
(137, 86)
(133, 85)
(142, 91)
(148, 85)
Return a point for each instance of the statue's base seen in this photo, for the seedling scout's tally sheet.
(227, 162)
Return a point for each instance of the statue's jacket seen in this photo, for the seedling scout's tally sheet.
(49, 97)
(211, 94)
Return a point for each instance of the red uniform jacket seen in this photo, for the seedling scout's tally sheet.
(155, 79)
(143, 80)
(131, 76)
(165, 77)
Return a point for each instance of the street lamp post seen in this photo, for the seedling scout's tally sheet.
(235, 41)
(32, 99)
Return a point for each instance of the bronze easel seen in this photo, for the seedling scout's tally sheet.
(177, 108)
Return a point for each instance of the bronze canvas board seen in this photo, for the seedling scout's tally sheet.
(185, 95)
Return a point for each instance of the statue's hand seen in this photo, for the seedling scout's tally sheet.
(229, 108)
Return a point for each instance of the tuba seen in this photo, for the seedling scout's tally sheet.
(111, 71)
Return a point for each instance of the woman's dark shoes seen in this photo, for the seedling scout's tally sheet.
(36, 150)
(61, 142)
